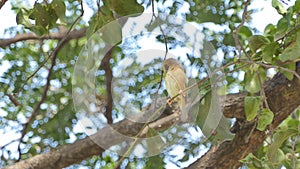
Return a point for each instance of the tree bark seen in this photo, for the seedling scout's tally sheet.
(75, 34)
(283, 97)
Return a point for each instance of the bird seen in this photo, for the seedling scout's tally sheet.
(176, 83)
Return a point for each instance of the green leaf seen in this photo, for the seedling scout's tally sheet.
(290, 53)
(248, 158)
(251, 106)
(98, 21)
(245, 32)
(155, 162)
(278, 157)
(268, 51)
(279, 7)
(154, 142)
(125, 7)
(23, 17)
(279, 138)
(40, 15)
(59, 8)
(265, 118)
(270, 30)
(112, 33)
(210, 121)
(298, 114)
(253, 162)
(297, 6)
(282, 27)
(290, 66)
(257, 41)
(204, 106)
(151, 132)
(228, 39)
(252, 84)
(44, 16)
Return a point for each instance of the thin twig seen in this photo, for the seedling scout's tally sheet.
(150, 119)
(160, 84)
(53, 57)
(12, 141)
(276, 67)
(37, 107)
(288, 32)
(161, 30)
(137, 137)
(262, 92)
(251, 132)
(213, 73)
(143, 131)
(166, 46)
(14, 100)
(236, 31)
(63, 40)
(98, 6)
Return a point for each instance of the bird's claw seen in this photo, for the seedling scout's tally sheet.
(169, 102)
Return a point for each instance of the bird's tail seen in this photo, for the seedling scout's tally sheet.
(183, 108)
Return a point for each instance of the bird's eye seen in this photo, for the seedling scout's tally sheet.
(166, 67)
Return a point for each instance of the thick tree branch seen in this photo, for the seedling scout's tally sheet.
(234, 106)
(82, 149)
(105, 65)
(75, 34)
(283, 97)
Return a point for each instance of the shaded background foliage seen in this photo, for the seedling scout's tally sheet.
(56, 119)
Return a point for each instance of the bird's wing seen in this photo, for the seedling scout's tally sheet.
(179, 81)
(179, 78)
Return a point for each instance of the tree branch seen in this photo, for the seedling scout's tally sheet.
(44, 95)
(282, 96)
(75, 34)
(236, 31)
(53, 55)
(105, 65)
(2, 2)
(82, 149)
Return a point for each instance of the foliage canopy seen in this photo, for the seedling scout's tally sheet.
(36, 89)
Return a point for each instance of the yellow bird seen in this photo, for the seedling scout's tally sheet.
(176, 82)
